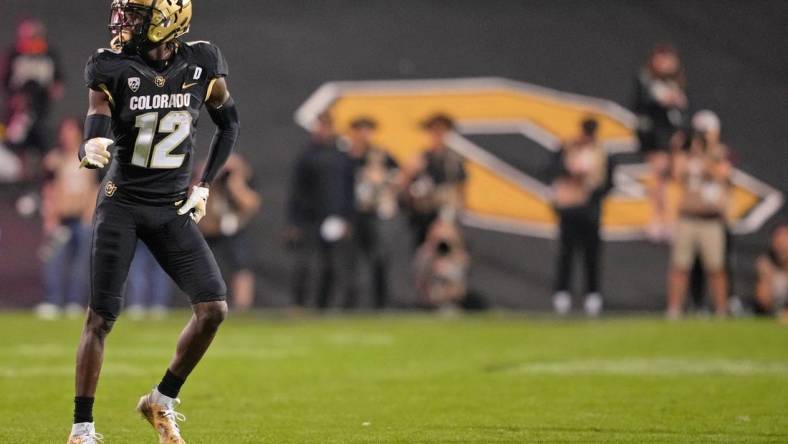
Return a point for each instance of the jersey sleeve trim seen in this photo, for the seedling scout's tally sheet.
(103, 50)
(105, 90)
(210, 88)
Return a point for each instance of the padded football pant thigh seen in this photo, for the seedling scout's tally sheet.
(113, 245)
(183, 253)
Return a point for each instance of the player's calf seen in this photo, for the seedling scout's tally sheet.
(89, 358)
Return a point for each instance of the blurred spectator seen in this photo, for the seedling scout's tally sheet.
(68, 201)
(704, 174)
(771, 288)
(233, 203)
(697, 283)
(441, 266)
(376, 204)
(320, 208)
(661, 106)
(582, 177)
(436, 179)
(31, 79)
(149, 288)
(10, 165)
(706, 125)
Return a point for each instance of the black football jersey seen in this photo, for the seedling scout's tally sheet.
(154, 116)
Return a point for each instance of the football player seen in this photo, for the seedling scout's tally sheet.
(145, 94)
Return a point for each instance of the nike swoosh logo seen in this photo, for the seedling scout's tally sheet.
(188, 85)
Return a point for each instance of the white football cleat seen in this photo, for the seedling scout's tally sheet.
(47, 311)
(159, 312)
(162, 417)
(135, 312)
(74, 311)
(562, 303)
(593, 304)
(84, 433)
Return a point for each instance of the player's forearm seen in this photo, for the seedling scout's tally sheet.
(228, 127)
(96, 125)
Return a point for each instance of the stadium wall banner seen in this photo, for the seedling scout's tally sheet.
(500, 196)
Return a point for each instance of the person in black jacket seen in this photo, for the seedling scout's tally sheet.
(582, 174)
(320, 211)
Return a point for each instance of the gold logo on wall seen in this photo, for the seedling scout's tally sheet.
(499, 195)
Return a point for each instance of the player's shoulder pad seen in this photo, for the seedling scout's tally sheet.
(209, 56)
(103, 67)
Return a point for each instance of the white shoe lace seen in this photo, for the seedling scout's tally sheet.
(91, 438)
(173, 417)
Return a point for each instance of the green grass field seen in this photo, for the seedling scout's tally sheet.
(416, 379)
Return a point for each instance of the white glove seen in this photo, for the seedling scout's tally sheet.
(195, 204)
(96, 153)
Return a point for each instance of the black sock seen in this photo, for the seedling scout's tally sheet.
(170, 384)
(83, 409)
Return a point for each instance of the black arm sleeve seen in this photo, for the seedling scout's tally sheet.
(228, 127)
(556, 169)
(96, 125)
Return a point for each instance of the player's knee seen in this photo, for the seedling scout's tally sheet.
(98, 325)
(211, 314)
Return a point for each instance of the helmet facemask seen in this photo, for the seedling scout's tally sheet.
(129, 23)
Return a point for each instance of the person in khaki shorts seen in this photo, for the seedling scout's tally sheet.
(704, 173)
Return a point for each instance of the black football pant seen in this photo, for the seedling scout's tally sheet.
(334, 268)
(579, 234)
(174, 241)
(370, 244)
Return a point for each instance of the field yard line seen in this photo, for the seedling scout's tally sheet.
(650, 367)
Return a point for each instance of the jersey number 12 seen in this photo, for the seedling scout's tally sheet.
(177, 124)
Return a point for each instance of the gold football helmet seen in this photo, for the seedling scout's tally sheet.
(148, 23)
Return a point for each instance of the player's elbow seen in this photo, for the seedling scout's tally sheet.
(232, 129)
(226, 118)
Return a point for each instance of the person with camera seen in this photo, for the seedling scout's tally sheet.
(234, 202)
(582, 174)
(771, 287)
(441, 265)
(435, 179)
(703, 172)
(377, 176)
